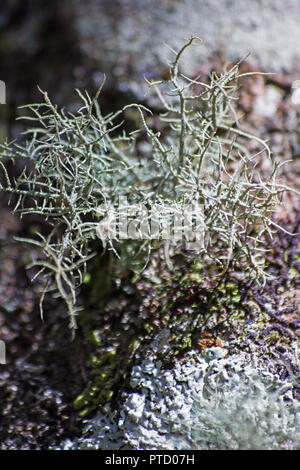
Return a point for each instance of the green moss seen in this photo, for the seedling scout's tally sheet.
(111, 342)
(273, 337)
(104, 370)
(196, 277)
(294, 273)
(86, 278)
(197, 267)
(185, 305)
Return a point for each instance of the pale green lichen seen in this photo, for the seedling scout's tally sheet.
(79, 162)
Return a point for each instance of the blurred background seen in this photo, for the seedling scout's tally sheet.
(64, 44)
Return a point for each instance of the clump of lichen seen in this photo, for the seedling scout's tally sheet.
(83, 168)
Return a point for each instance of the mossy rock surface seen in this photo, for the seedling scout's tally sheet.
(174, 314)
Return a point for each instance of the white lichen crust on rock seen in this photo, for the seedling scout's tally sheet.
(209, 400)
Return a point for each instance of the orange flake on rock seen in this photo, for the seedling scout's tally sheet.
(207, 340)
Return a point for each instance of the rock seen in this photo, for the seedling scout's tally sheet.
(229, 403)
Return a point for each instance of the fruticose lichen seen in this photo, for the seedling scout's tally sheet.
(188, 169)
